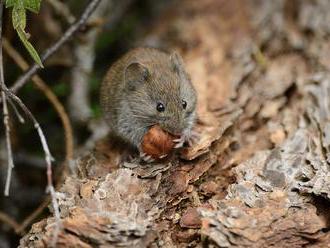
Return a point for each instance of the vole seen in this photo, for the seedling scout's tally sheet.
(147, 87)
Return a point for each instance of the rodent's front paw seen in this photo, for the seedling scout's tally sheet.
(193, 138)
(190, 139)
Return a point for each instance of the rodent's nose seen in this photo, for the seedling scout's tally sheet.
(176, 131)
(174, 126)
(177, 135)
(172, 130)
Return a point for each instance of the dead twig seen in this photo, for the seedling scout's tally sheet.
(19, 116)
(5, 218)
(50, 51)
(20, 229)
(48, 158)
(5, 113)
(42, 86)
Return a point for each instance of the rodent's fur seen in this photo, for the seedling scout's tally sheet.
(135, 84)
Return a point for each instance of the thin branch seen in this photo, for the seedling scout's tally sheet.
(50, 51)
(8, 141)
(48, 158)
(19, 116)
(41, 85)
(9, 221)
(5, 113)
(20, 228)
(19, 102)
(29, 219)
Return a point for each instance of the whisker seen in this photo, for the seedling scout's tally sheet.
(142, 117)
(147, 126)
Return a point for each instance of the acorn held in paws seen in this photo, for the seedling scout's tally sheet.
(158, 143)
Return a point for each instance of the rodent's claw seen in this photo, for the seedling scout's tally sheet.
(178, 145)
(130, 158)
(149, 159)
(179, 142)
(145, 157)
(163, 156)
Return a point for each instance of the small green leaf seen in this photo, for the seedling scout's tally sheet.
(23, 36)
(19, 17)
(19, 22)
(11, 3)
(32, 5)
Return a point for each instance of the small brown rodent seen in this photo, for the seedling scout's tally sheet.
(144, 88)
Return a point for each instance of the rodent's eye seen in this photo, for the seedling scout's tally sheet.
(160, 107)
(184, 104)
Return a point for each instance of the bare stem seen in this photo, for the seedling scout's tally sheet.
(29, 219)
(5, 113)
(19, 116)
(48, 158)
(9, 221)
(50, 51)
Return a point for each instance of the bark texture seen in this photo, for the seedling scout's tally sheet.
(260, 174)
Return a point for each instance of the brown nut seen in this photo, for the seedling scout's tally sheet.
(157, 143)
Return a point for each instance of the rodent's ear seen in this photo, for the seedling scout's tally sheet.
(135, 74)
(177, 63)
